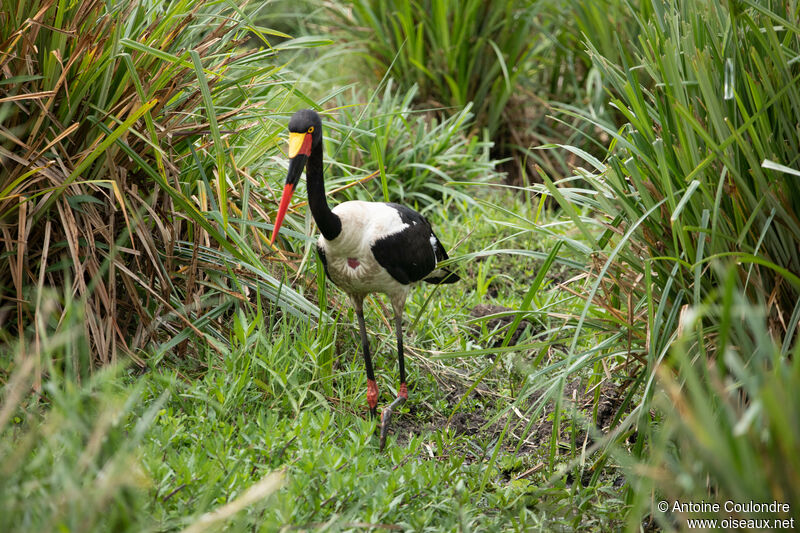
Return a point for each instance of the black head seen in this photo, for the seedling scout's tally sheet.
(305, 134)
(307, 121)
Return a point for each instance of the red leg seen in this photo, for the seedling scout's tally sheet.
(403, 391)
(372, 395)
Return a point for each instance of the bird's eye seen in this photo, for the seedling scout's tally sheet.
(311, 129)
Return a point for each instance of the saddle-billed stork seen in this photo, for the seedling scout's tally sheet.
(365, 247)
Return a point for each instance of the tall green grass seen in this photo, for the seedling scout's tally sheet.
(454, 52)
(561, 70)
(66, 461)
(728, 430)
(693, 203)
(128, 139)
(695, 174)
(690, 180)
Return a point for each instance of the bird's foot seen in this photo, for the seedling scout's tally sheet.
(386, 418)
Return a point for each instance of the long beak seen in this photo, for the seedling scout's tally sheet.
(299, 150)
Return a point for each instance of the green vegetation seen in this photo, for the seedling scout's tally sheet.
(118, 128)
(625, 331)
(457, 53)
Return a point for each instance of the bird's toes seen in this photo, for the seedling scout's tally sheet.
(386, 419)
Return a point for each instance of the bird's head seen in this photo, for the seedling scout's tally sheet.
(305, 133)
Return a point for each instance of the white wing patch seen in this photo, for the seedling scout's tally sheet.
(367, 222)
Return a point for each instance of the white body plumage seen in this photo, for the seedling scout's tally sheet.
(350, 262)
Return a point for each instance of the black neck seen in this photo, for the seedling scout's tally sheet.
(329, 224)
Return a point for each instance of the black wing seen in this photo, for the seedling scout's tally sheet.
(411, 255)
(440, 275)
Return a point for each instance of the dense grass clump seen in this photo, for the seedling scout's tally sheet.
(455, 53)
(417, 154)
(124, 129)
(700, 170)
(694, 204)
